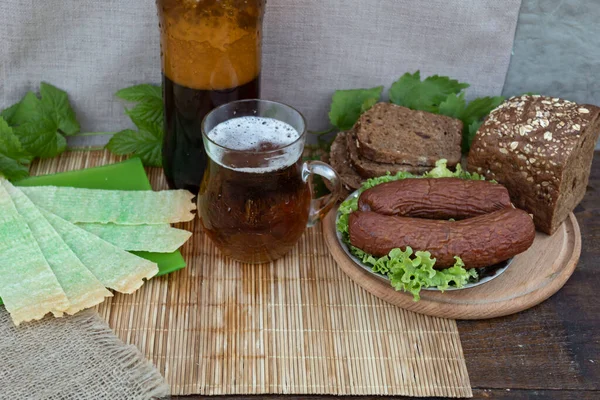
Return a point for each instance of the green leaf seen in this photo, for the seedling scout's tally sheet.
(453, 106)
(441, 171)
(145, 143)
(8, 113)
(150, 110)
(12, 154)
(479, 109)
(10, 145)
(348, 105)
(471, 115)
(55, 103)
(40, 123)
(11, 169)
(123, 143)
(368, 103)
(148, 126)
(140, 93)
(41, 138)
(147, 115)
(61, 146)
(409, 91)
(469, 135)
(29, 109)
(53, 106)
(149, 99)
(385, 178)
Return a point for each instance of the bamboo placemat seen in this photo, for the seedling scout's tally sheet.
(296, 326)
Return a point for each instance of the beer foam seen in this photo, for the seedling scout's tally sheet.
(255, 134)
(249, 133)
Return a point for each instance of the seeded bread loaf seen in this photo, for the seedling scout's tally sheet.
(392, 134)
(339, 160)
(541, 149)
(370, 169)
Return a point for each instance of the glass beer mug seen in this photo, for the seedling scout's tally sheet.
(211, 55)
(255, 200)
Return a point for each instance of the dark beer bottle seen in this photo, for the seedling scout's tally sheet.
(211, 55)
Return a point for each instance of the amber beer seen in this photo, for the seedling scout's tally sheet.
(255, 200)
(254, 216)
(210, 56)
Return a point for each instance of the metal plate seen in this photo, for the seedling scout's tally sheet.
(486, 274)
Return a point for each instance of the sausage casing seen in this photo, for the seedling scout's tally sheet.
(441, 198)
(480, 241)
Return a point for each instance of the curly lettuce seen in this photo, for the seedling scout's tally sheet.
(409, 271)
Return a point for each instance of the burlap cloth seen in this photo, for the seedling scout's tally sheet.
(76, 358)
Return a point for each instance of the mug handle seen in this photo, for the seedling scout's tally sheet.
(321, 206)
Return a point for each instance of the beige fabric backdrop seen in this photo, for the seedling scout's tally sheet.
(312, 47)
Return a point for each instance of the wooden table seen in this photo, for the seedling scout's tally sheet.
(551, 351)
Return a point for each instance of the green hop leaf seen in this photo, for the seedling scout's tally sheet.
(145, 143)
(348, 105)
(409, 91)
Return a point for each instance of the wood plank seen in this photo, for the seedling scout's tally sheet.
(488, 394)
(555, 345)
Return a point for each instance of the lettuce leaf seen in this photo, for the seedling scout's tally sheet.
(441, 171)
(409, 271)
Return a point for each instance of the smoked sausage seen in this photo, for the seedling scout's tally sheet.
(441, 198)
(480, 241)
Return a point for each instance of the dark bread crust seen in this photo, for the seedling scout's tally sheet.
(431, 198)
(480, 241)
(392, 134)
(371, 169)
(541, 149)
(339, 160)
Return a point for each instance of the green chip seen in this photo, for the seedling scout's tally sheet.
(81, 287)
(114, 206)
(153, 238)
(28, 286)
(114, 267)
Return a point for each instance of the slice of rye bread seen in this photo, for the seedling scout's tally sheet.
(370, 169)
(339, 160)
(392, 134)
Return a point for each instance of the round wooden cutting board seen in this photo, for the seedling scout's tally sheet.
(532, 277)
